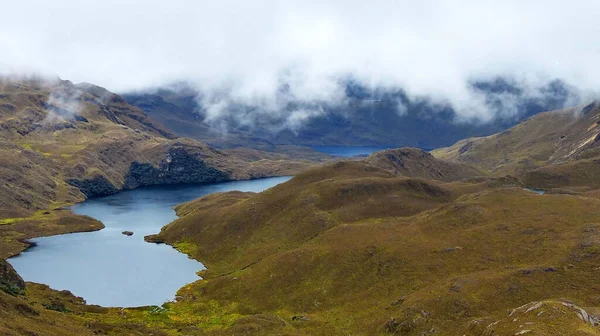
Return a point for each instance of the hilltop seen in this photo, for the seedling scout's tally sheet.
(403, 242)
(550, 138)
(409, 243)
(62, 142)
(352, 248)
(416, 162)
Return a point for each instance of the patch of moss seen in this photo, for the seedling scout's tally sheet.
(27, 146)
(56, 306)
(9, 220)
(186, 248)
(10, 289)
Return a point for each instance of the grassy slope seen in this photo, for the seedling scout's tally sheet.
(371, 248)
(547, 138)
(53, 131)
(418, 163)
(355, 249)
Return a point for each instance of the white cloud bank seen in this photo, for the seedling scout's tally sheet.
(248, 48)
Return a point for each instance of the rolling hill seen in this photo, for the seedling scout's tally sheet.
(62, 142)
(401, 243)
(550, 150)
(352, 248)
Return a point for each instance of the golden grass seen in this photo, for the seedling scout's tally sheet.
(434, 256)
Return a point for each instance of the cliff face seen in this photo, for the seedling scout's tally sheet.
(130, 163)
(60, 143)
(178, 166)
(63, 142)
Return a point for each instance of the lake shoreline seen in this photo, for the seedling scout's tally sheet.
(146, 213)
(67, 207)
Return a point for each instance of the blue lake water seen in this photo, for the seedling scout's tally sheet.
(348, 151)
(108, 268)
(537, 191)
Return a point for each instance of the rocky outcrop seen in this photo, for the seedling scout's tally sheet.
(96, 186)
(128, 165)
(10, 281)
(179, 166)
(550, 317)
(153, 238)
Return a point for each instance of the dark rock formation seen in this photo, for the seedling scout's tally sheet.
(96, 186)
(179, 166)
(153, 239)
(127, 233)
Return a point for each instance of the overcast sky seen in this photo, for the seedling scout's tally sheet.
(427, 47)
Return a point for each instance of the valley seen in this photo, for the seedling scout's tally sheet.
(299, 168)
(62, 143)
(401, 242)
(367, 116)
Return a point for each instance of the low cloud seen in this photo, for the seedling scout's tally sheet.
(270, 54)
(63, 104)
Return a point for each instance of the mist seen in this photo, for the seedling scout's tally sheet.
(267, 54)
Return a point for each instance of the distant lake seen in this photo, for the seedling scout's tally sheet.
(108, 268)
(348, 150)
(537, 191)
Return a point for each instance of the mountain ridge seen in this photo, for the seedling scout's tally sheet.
(552, 138)
(366, 116)
(402, 242)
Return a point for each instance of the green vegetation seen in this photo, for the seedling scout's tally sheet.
(351, 248)
(47, 150)
(10, 289)
(27, 146)
(402, 243)
(551, 138)
(187, 248)
(51, 155)
(9, 220)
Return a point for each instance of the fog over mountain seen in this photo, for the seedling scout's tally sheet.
(293, 60)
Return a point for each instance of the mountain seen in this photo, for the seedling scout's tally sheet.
(365, 117)
(62, 142)
(549, 150)
(352, 248)
(403, 242)
(411, 243)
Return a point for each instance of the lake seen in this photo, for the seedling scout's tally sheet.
(537, 191)
(348, 151)
(108, 268)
